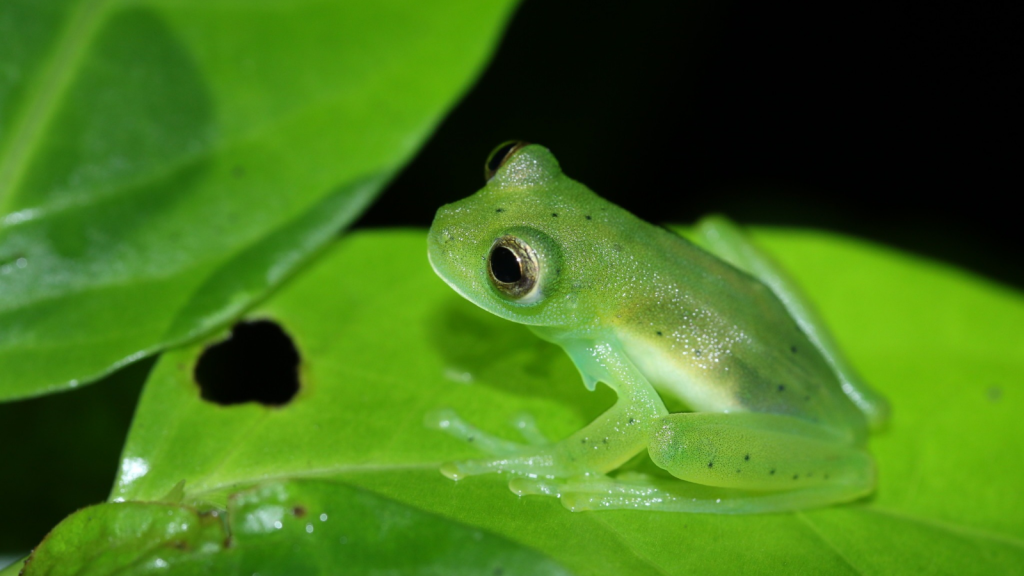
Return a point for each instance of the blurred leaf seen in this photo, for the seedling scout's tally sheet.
(13, 569)
(164, 164)
(383, 341)
(298, 527)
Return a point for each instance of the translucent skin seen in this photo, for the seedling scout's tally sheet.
(779, 419)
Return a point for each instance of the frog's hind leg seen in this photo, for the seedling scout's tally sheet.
(726, 240)
(634, 491)
(732, 464)
(757, 451)
(772, 462)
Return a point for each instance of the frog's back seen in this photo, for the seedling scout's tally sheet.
(719, 339)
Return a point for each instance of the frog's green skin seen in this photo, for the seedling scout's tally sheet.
(779, 419)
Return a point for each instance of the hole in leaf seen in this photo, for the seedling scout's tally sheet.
(258, 363)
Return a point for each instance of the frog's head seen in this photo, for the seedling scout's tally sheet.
(519, 246)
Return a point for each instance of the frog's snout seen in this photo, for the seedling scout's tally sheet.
(441, 227)
(438, 233)
(442, 241)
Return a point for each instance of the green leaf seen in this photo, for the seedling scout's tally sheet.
(297, 527)
(383, 341)
(164, 164)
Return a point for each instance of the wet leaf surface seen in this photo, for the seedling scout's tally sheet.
(278, 528)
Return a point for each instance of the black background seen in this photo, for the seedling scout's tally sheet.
(891, 122)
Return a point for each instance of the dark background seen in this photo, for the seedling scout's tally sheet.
(887, 121)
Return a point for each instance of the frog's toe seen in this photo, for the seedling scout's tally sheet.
(583, 493)
(566, 492)
(522, 486)
(525, 423)
(451, 471)
(439, 419)
(582, 501)
(530, 465)
(459, 470)
(596, 494)
(612, 495)
(448, 421)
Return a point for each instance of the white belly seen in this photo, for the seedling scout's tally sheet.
(703, 384)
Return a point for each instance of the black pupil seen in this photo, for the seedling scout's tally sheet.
(505, 265)
(494, 162)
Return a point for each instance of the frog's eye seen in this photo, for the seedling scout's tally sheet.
(500, 155)
(513, 268)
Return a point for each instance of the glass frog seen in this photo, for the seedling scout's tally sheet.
(778, 419)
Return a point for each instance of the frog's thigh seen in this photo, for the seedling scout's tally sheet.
(754, 451)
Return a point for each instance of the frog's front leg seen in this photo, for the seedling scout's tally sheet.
(603, 445)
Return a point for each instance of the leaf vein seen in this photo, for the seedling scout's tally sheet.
(42, 100)
(828, 543)
(959, 530)
(627, 544)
